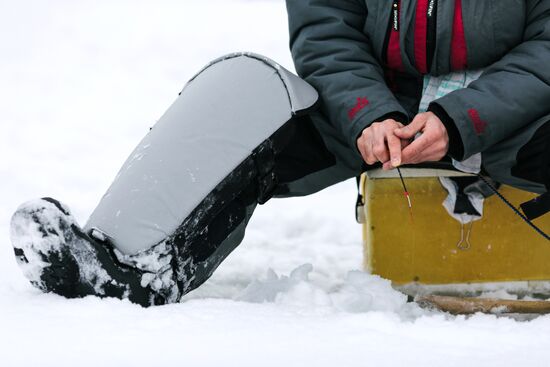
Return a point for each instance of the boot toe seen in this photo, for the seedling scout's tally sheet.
(38, 237)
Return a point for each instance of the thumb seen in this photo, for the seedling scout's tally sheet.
(409, 131)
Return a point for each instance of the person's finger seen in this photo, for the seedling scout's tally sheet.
(369, 156)
(394, 146)
(435, 150)
(409, 131)
(387, 166)
(432, 153)
(427, 155)
(413, 150)
(380, 150)
(363, 145)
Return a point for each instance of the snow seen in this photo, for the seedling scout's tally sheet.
(81, 83)
(360, 292)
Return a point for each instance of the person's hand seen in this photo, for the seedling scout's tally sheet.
(378, 143)
(430, 146)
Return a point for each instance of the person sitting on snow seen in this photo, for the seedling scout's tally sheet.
(468, 78)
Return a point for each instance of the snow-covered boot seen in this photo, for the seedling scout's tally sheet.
(235, 136)
(57, 256)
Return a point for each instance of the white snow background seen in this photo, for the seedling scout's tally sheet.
(80, 83)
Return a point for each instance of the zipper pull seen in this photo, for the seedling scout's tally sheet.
(395, 15)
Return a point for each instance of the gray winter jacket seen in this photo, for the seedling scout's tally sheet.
(367, 59)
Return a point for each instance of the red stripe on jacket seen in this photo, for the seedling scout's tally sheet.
(394, 47)
(420, 36)
(459, 53)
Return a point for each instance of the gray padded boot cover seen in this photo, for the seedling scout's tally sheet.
(220, 117)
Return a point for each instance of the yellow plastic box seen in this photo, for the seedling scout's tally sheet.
(429, 247)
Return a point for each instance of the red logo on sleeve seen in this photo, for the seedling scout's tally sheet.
(362, 102)
(479, 124)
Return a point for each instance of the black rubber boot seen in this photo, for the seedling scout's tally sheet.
(57, 256)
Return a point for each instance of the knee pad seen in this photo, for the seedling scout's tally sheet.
(207, 162)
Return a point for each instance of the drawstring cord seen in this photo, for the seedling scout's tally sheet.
(518, 213)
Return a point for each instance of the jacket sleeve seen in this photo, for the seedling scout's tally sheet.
(332, 52)
(510, 94)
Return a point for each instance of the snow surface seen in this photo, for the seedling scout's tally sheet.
(80, 84)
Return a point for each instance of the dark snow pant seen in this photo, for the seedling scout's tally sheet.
(303, 156)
